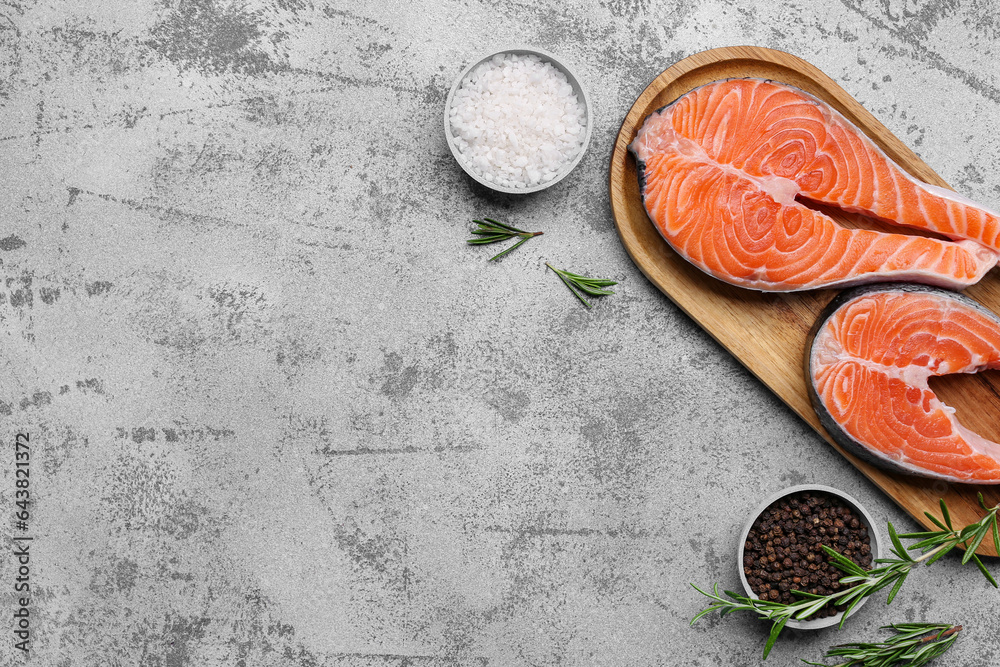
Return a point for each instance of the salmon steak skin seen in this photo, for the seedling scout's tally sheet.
(723, 172)
(868, 362)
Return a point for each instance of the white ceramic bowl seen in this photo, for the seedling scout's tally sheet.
(862, 514)
(581, 95)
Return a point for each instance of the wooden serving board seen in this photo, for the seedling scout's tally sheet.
(765, 331)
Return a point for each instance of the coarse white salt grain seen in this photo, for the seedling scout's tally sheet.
(517, 121)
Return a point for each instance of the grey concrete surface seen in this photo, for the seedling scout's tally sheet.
(281, 414)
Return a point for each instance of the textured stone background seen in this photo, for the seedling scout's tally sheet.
(283, 415)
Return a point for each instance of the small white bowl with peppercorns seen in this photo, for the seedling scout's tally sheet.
(779, 550)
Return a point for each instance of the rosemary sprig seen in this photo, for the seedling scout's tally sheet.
(913, 645)
(890, 572)
(491, 231)
(580, 285)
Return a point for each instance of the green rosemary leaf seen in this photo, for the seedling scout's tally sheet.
(843, 563)
(945, 514)
(501, 254)
(896, 587)
(967, 532)
(909, 628)
(487, 239)
(593, 291)
(996, 535)
(945, 549)
(977, 539)
(982, 568)
(935, 521)
(708, 595)
(929, 542)
(918, 536)
(598, 282)
(704, 612)
(773, 637)
(736, 596)
(497, 223)
(806, 595)
(885, 581)
(492, 224)
(898, 546)
(577, 278)
(847, 612)
(811, 609)
(571, 275)
(853, 594)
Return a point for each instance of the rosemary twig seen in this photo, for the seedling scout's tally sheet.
(491, 231)
(890, 572)
(580, 285)
(913, 645)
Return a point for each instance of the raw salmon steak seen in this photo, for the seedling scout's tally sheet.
(872, 352)
(723, 171)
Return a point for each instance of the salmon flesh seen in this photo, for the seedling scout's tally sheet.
(724, 169)
(867, 366)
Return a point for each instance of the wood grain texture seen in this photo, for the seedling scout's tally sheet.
(765, 331)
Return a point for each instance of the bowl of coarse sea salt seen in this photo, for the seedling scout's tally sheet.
(518, 120)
